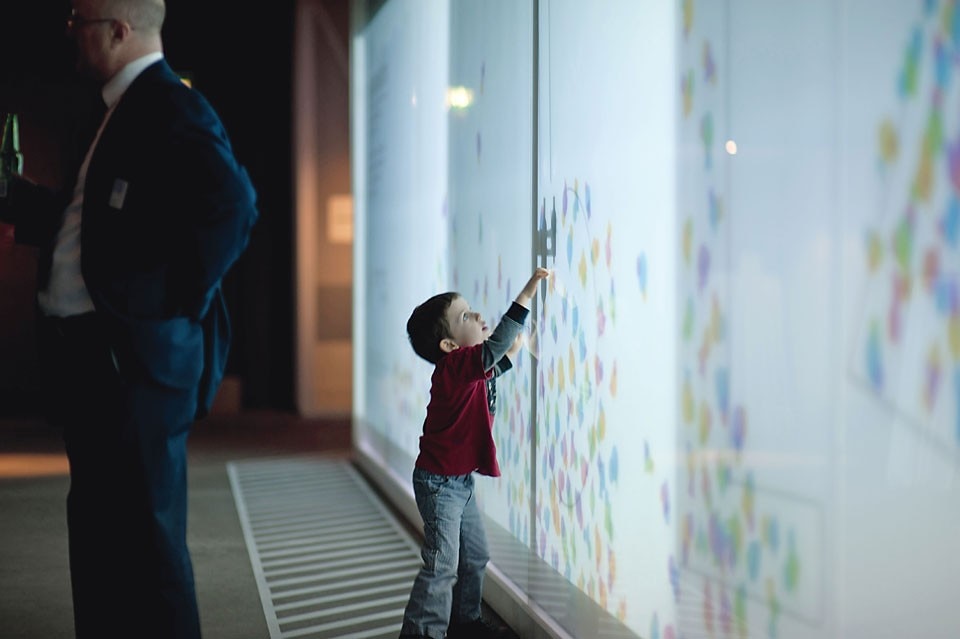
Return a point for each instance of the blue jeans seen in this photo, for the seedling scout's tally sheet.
(449, 585)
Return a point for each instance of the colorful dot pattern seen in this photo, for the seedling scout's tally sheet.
(578, 463)
(729, 557)
(909, 337)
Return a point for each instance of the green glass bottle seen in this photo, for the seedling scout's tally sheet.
(11, 160)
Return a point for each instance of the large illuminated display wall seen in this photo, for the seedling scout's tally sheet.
(739, 412)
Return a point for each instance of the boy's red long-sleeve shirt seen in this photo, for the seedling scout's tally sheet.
(458, 431)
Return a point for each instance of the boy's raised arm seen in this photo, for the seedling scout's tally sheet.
(530, 288)
(505, 339)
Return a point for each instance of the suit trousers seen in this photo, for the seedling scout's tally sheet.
(130, 569)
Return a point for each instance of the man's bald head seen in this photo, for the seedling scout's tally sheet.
(143, 15)
(112, 33)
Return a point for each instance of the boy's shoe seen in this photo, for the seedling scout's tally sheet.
(479, 629)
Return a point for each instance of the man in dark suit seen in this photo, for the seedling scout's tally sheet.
(133, 331)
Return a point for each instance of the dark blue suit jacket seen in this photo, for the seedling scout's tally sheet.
(167, 210)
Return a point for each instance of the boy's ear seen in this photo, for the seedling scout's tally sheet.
(447, 345)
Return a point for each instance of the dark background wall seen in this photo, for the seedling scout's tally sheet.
(240, 57)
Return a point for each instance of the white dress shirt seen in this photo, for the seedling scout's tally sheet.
(66, 293)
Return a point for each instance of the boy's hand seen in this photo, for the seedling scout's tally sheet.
(530, 289)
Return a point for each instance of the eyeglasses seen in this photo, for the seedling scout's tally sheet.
(75, 21)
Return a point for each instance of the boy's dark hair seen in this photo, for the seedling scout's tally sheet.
(428, 325)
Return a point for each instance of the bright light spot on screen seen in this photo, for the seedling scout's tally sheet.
(459, 97)
(413, 100)
(731, 147)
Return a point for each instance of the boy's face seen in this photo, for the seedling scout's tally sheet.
(467, 327)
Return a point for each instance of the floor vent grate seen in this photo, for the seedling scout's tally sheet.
(329, 558)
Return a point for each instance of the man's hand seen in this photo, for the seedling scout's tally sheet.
(11, 191)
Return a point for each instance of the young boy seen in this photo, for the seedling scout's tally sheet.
(457, 440)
